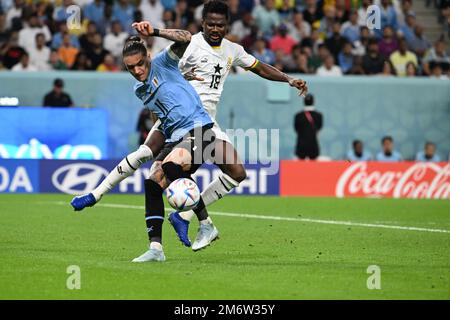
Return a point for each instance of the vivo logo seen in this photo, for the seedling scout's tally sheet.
(77, 178)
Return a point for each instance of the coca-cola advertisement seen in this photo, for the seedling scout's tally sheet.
(418, 180)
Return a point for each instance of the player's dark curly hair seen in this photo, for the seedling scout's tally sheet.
(216, 6)
(134, 45)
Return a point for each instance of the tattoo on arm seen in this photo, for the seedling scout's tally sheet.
(176, 35)
(182, 39)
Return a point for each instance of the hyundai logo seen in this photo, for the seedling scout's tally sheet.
(77, 178)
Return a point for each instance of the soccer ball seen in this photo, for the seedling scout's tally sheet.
(183, 194)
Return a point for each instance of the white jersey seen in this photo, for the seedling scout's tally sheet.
(213, 64)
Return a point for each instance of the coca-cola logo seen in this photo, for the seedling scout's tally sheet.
(420, 180)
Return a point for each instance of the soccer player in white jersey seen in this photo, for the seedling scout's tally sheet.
(212, 56)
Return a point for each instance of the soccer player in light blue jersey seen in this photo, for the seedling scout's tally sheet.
(184, 123)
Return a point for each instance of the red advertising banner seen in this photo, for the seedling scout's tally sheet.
(365, 179)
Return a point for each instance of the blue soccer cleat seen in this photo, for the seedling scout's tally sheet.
(81, 202)
(181, 227)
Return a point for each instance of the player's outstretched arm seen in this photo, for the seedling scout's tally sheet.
(182, 38)
(271, 73)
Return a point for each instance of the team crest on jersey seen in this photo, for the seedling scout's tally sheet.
(229, 62)
(155, 81)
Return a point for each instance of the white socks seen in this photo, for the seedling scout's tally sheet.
(216, 190)
(155, 245)
(124, 169)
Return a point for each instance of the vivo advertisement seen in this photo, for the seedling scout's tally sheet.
(53, 133)
(78, 177)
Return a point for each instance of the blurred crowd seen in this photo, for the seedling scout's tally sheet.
(324, 37)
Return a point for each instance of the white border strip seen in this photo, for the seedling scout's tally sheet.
(264, 217)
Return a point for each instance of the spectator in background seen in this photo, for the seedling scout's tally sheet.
(388, 16)
(67, 52)
(60, 13)
(388, 69)
(428, 154)
(362, 12)
(108, 64)
(235, 11)
(108, 17)
(335, 42)
(113, 41)
(14, 12)
(329, 69)
(4, 32)
(266, 17)
(40, 54)
(57, 97)
(96, 53)
(373, 62)
(437, 72)
(82, 63)
(326, 23)
(285, 9)
(342, 14)
(11, 52)
(388, 154)
(55, 62)
(389, 43)
(94, 11)
(282, 40)
(357, 67)
(357, 153)
(411, 69)
(24, 64)
(419, 44)
(307, 124)
(243, 27)
(359, 46)
(407, 29)
(124, 12)
(87, 39)
(27, 36)
(345, 58)
(302, 64)
(57, 39)
(313, 12)
(436, 55)
(262, 53)
(401, 57)
(350, 29)
(152, 10)
(299, 29)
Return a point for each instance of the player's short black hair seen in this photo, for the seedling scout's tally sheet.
(387, 138)
(134, 45)
(216, 6)
(355, 142)
(58, 83)
(309, 100)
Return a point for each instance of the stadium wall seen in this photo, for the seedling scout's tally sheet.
(411, 110)
(294, 178)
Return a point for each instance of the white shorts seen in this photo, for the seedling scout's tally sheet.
(220, 134)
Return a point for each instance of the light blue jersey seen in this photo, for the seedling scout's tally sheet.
(394, 157)
(421, 157)
(171, 98)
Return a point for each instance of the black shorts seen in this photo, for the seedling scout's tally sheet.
(198, 141)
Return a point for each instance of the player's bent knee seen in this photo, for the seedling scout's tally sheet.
(173, 171)
(239, 175)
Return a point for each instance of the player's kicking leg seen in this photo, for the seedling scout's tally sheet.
(179, 163)
(233, 172)
(124, 169)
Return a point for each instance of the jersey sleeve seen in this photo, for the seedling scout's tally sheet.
(167, 59)
(243, 59)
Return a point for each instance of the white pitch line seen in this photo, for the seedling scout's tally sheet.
(263, 217)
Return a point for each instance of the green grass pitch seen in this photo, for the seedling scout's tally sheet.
(40, 236)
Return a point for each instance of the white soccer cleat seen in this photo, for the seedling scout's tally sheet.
(151, 255)
(207, 233)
